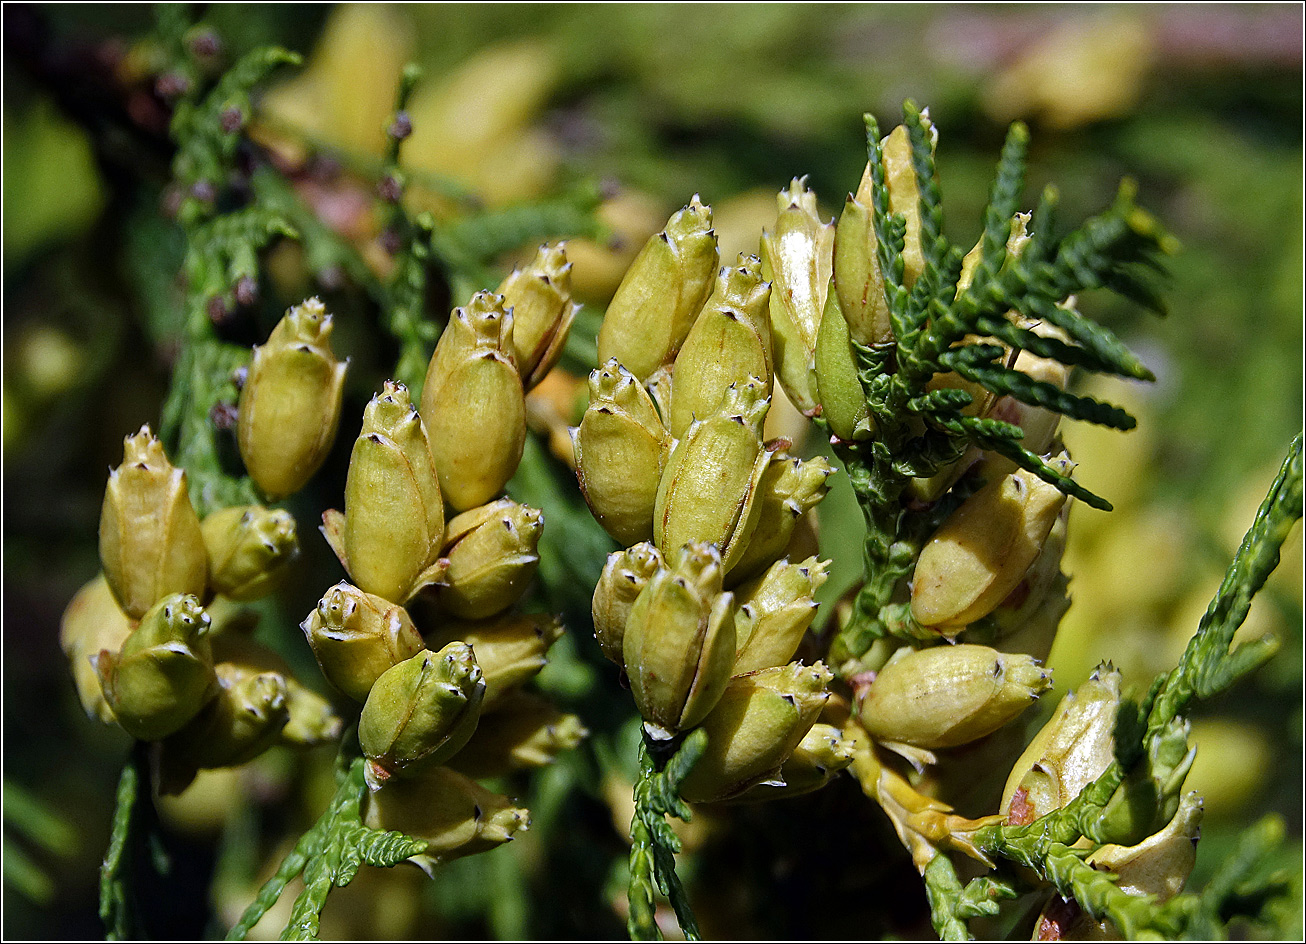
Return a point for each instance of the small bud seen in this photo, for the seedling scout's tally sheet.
(473, 403)
(401, 127)
(843, 401)
(680, 641)
(621, 450)
(624, 576)
(509, 649)
(150, 540)
(758, 722)
(243, 719)
(163, 675)
(816, 761)
(798, 260)
(389, 538)
(250, 548)
(1068, 753)
(93, 621)
(542, 311)
(984, 548)
(661, 294)
(490, 565)
(945, 696)
(709, 488)
(524, 731)
(788, 489)
(452, 813)
(357, 636)
(729, 344)
(290, 404)
(420, 713)
(773, 611)
(311, 719)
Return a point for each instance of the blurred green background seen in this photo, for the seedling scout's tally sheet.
(1201, 104)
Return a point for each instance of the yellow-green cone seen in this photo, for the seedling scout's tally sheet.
(389, 537)
(93, 621)
(773, 611)
(858, 290)
(843, 402)
(509, 649)
(729, 344)
(709, 488)
(798, 260)
(163, 675)
(524, 731)
(542, 311)
(250, 548)
(904, 193)
(150, 539)
(661, 294)
(817, 760)
(983, 550)
(454, 814)
(680, 641)
(621, 449)
(290, 405)
(310, 718)
(357, 636)
(1068, 753)
(758, 722)
(490, 566)
(420, 713)
(624, 576)
(243, 719)
(788, 489)
(474, 404)
(945, 696)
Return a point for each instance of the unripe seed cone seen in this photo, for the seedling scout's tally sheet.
(759, 720)
(93, 621)
(356, 637)
(290, 405)
(542, 311)
(491, 565)
(163, 675)
(150, 540)
(523, 732)
(510, 649)
(240, 722)
(1028, 618)
(798, 260)
(858, 288)
(661, 294)
(624, 575)
(729, 344)
(945, 696)
(394, 515)
(788, 488)
(473, 403)
(250, 548)
(817, 760)
(1068, 753)
(773, 611)
(843, 402)
(979, 555)
(310, 718)
(454, 814)
(905, 195)
(621, 450)
(420, 713)
(709, 488)
(680, 640)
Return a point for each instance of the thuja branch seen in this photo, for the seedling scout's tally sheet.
(654, 843)
(328, 855)
(131, 818)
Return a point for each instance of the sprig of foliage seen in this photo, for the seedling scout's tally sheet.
(329, 855)
(654, 843)
(132, 817)
(939, 329)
